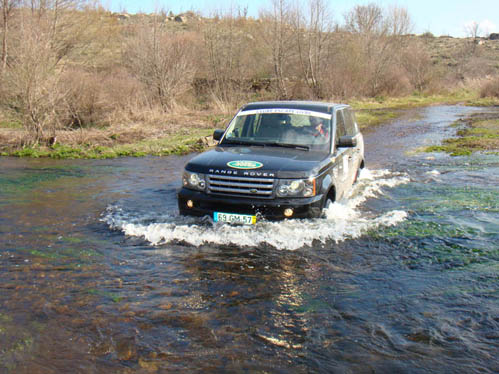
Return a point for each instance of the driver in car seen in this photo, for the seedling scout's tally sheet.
(318, 128)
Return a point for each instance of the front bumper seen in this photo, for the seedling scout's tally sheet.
(273, 209)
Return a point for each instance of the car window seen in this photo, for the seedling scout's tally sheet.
(349, 122)
(340, 125)
(239, 128)
(281, 126)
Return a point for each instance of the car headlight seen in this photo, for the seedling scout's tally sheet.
(296, 187)
(193, 181)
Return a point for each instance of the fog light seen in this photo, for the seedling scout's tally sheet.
(288, 212)
(190, 203)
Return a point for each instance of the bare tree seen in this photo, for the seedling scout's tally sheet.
(473, 31)
(162, 61)
(313, 31)
(226, 45)
(379, 34)
(278, 36)
(8, 7)
(366, 20)
(417, 63)
(399, 22)
(32, 81)
(47, 34)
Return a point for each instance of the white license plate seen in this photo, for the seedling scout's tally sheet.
(241, 219)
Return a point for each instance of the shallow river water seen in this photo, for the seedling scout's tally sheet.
(98, 274)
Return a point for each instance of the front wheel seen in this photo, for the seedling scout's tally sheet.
(329, 202)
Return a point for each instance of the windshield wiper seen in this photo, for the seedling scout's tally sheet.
(264, 144)
(287, 145)
(240, 142)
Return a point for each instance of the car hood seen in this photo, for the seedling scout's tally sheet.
(264, 162)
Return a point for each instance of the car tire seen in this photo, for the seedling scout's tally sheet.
(326, 206)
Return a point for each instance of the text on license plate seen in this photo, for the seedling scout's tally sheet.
(242, 219)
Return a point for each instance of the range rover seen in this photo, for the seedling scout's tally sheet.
(275, 160)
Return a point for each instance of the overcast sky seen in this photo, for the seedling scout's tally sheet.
(441, 17)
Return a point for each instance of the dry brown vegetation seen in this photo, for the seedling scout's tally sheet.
(490, 88)
(88, 76)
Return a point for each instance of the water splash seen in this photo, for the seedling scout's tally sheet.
(343, 220)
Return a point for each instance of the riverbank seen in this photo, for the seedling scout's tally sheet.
(372, 112)
(477, 132)
(190, 131)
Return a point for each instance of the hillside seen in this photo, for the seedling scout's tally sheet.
(479, 56)
(95, 84)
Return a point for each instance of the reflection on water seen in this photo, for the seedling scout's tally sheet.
(98, 274)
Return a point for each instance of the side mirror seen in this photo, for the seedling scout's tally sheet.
(347, 141)
(217, 134)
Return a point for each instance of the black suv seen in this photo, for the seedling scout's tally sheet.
(275, 160)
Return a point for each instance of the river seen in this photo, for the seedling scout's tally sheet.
(98, 274)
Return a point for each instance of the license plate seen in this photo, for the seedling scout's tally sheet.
(241, 219)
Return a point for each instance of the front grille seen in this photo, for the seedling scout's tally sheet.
(240, 186)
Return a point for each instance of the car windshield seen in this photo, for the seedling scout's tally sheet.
(281, 127)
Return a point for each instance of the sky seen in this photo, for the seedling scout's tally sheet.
(440, 17)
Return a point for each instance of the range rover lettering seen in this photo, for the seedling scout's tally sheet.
(275, 160)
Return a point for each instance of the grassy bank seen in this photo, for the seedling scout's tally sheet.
(479, 132)
(192, 141)
(189, 132)
(371, 112)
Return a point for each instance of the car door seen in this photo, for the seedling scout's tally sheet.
(356, 154)
(341, 155)
(345, 126)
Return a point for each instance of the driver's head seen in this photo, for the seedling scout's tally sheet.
(315, 121)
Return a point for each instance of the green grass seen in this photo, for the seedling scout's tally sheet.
(175, 144)
(66, 253)
(479, 135)
(114, 297)
(444, 228)
(11, 124)
(426, 238)
(467, 97)
(374, 111)
(367, 118)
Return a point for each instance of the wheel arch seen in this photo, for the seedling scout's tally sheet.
(331, 194)
(329, 189)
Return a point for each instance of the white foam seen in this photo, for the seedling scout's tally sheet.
(343, 220)
(433, 172)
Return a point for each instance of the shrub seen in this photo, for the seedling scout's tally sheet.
(162, 61)
(490, 88)
(32, 86)
(83, 103)
(93, 97)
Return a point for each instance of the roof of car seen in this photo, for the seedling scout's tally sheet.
(316, 106)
